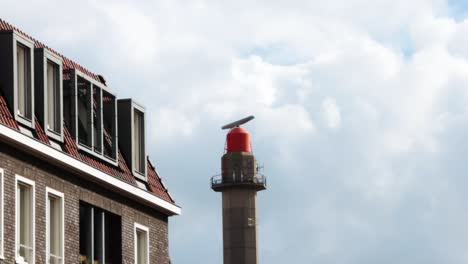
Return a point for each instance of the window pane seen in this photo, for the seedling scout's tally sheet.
(23, 80)
(97, 112)
(25, 221)
(84, 112)
(98, 236)
(86, 235)
(55, 236)
(109, 124)
(138, 141)
(53, 97)
(113, 239)
(142, 247)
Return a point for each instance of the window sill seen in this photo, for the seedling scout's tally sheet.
(54, 135)
(140, 175)
(97, 155)
(25, 121)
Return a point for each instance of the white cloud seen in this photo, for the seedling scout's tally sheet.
(331, 113)
(390, 77)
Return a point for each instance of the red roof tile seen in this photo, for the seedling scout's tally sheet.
(156, 185)
(40, 134)
(5, 116)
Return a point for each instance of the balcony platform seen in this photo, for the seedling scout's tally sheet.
(219, 184)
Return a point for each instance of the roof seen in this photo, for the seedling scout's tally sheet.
(67, 63)
(70, 147)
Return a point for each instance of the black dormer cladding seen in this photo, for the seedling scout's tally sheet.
(124, 113)
(126, 109)
(6, 68)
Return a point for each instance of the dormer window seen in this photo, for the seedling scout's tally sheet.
(48, 76)
(53, 97)
(139, 159)
(17, 78)
(91, 114)
(132, 136)
(23, 81)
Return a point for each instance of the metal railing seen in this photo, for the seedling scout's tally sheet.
(256, 179)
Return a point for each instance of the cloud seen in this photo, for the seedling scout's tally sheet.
(360, 116)
(331, 113)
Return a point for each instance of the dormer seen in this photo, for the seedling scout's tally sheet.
(90, 113)
(132, 136)
(49, 92)
(17, 78)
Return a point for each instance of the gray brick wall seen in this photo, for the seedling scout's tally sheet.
(75, 189)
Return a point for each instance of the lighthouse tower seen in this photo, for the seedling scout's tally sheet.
(239, 183)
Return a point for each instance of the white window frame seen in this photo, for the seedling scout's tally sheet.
(59, 195)
(138, 174)
(19, 39)
(115, 135)
(49, 56)
(2, 213)
(146, 230)
(20, 179)
(76, 73)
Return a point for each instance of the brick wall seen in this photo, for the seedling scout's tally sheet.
(75, 189)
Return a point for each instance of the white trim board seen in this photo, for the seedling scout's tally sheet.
(145, 229)
(25, 181)
(58, 195)
(65, 161)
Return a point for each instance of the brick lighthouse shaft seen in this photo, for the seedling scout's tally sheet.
(239, 185)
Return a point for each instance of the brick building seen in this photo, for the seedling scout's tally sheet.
(76, 185)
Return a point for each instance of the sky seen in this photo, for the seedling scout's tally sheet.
(361, 113)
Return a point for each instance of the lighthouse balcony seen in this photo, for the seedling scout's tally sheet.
(256, 182)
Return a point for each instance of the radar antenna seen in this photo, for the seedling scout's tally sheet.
(238, 122)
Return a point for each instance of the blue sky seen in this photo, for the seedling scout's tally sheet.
(361, 114)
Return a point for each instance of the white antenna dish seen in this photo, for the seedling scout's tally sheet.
(238, 122)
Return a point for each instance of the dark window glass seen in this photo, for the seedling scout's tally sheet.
(100, 236)
(97, 119)
(109, 113)
(84, 112)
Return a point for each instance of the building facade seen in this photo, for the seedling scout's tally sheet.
(76, 185)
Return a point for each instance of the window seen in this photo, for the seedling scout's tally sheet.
(97, 119)
(53, 98)
(139, 159)
(141, 244)
(84, 112)
(109, 110)
(131, 128)
(69, 101)
(23, 81)
(48, 92)
(17, 57)
(90, 113)
(24, 220)
(100, 236)
(54, 227)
